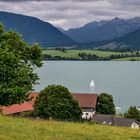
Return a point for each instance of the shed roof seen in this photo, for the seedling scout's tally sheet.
(113, 120)
(125, 122)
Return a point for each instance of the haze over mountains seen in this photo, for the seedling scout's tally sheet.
(111, 34)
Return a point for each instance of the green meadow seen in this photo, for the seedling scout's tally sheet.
(12, 128)
(129, 59)
(74, 54)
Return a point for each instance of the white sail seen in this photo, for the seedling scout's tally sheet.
(118, 108)
(138, 108)
(92, 84)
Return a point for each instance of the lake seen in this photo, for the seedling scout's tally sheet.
(118, 78)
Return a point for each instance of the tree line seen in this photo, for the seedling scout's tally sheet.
(85, 56)
(93, 57)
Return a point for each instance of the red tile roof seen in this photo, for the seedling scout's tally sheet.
(17, 108)
(86, 100)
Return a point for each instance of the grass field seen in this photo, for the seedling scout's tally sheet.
(25, 129)
(74, 53)
(129, 59)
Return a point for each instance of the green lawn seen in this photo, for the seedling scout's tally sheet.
(129, 59)
(74, 53)
(27, 129)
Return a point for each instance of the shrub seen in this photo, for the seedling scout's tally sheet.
(56, 102)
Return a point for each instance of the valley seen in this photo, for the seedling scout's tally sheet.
(61, 54)
(117, 34)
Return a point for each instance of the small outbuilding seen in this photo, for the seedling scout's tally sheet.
(116, 121)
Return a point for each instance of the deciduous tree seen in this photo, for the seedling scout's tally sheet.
(56, 102)
(105, 104)
(133, 113)
(17, 63)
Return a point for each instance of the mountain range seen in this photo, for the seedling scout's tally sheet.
(106, 34)
(104, 30)
(35, 30)
(130, 40)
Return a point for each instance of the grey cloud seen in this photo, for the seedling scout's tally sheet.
(49, 0)
(73, 13)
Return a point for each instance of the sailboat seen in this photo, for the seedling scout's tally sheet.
(138, 108)
(118, 108)
(92, 84)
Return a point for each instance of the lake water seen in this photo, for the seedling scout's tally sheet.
(121, 79)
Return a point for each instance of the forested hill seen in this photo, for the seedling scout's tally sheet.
(130, 41)
(35, 30)
(104, 30)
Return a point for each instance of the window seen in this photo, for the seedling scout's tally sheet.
(86, 113)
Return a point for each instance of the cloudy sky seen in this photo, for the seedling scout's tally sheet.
(73, 13)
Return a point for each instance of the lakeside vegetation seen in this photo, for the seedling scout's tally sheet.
(15, 128)
(18, 77)
(18, 60)
(95, 55)
(129, 59)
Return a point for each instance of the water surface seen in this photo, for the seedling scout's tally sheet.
(121, 79)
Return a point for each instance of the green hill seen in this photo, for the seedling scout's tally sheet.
(12, 128)
(35, 30)
(103, 30)
(128, 41)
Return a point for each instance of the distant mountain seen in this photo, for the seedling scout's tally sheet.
(114, 34)
(104, 30)
(35, 30)
(84, 34)
(61, 30)
(135, 20)
(129, 41)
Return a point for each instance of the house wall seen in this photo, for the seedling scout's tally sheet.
(88, 114)
(135, 126)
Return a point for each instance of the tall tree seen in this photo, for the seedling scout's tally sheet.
(17, 63)
(105, 104)
(56, 102)
(133, 113)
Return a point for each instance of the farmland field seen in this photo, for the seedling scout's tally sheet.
(12, 128)
(74, 54)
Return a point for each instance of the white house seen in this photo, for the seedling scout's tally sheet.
(87, 103)
(135, 125)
